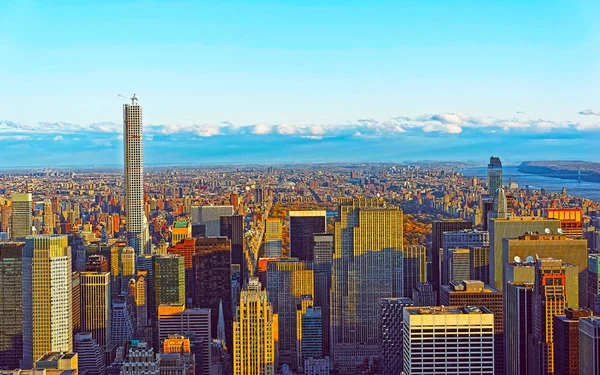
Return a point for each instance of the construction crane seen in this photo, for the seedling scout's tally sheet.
(133, 99)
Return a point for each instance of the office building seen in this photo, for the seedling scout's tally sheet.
(11, 304)
(57, 361)
(48, 217)
(437, 231)
(96, 263)
(96, 305)
(90, 354)
(439, 354)
(303, 226)
(180, 230)
(138, 290)
(424, 295)
(287, 282)
(169, 279)
(513, 227)
(254, 332)
(193, 323)
(186, 248)
(549, 299)
(140, 360)
(463, 240)
(571, 220)
(273, 238)
(566, 341)
(210, 217)
(589, 345)
(494, 175)
(122, 326)
(232, 227)
(212, 280)
(21, 219)
(76, 300)
(133, 148)
(458, 265)
(593, 283)
(177, 358)
(366, 267)
(317, 366)
(551, 246)
(480, 263)
(392, 339)
(323, 245)
(311, 334)
(415, 268)
(47, 297)
(518, 326)
(475, 292)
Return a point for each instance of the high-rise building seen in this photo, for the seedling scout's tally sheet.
(138, 290)
(463, 239)
(193, 323)
(21, 219)
(273, 238)
(424, 295)
(212, 280)
(169, 279)
(303, 226)
(176, 357)
(287, 282)
(593, 283)
(323, 256)
(122, 328)
(475, 292)
(566, 341)
(571, 220)
(11, 304)
(317, 366)
(549, 299)
(210, 217)
(415, 268)
(133, 148)
(589, 345)
(96, 263)
(551, 246)
(232, 227)
(517, 326)
(48, 217)
(254, 332)
(47, 297)
(439, 354)
(76, 300)
(392, 339)
(140, 360)
(312, 334)
(458, 265)
(513, 227)
(96, 305)
(437, 231)
(480, 263)
(180, 230)
(90, 354)
(494, 175)
(367, 266)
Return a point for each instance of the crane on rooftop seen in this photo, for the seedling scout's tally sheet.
(133, 99)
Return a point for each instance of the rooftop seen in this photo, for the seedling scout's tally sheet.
(447, 310)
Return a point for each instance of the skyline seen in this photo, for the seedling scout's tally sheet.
(229, 81)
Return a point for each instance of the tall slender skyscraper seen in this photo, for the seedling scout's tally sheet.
(367, 266)
(11, 305)
(494, 175)
(47, 297)
(21, 220)
(95, 306)
(134, 175)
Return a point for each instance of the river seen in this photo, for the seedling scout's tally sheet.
(590, 190)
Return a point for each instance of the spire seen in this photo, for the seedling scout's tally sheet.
(221, 324)
(500, 204)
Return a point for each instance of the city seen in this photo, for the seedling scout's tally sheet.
(299, 188)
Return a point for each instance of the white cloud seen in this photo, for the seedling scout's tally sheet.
(286, 129)
(77, 139)
(590, 112)
(15, 138)
(58, 138)
(262, 129)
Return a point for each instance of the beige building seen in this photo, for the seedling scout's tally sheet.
(95, 306)
(254, 332)
(180, 230)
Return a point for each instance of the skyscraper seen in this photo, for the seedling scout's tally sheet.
(494, 175)
(323, 255)
(439, 354)
(48, 217)
(517, 326)
(133, 147)
(47, 297)
(312, 333)
(367, 266)
(95, 306)
(475, 292)
(566, 341)
(288, 281)
(121, 323)
(589, 345)
(593, 283)
(21, 220)
(210, 217)
(212, 280)
(169, 279)
(415, 268)
(303, 226)
(11, 304)
(463, 239)
(549, 299)
(232, 227)
(392, 340)
(90, 354)
(180, 230)
(273, 238)
(254, 332)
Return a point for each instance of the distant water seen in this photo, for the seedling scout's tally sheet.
(590, 190)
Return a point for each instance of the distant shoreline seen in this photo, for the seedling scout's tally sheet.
(566, 170)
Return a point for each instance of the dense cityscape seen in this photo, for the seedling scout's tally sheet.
(348, 268)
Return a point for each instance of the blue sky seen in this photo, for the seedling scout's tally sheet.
(238, 81)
